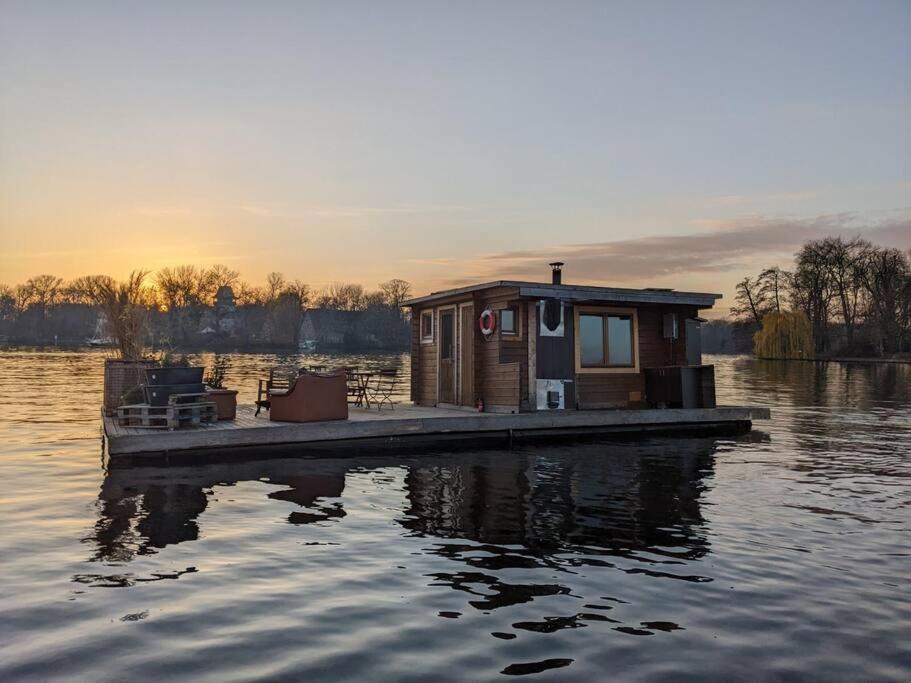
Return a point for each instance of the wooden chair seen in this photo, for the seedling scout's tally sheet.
(352, 385)
(383, 388)
(280, 381)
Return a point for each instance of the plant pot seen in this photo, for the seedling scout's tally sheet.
(174, 375)
(160, 394)
(120, 377)
(225, 401)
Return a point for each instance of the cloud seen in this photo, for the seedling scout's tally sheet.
(725, 246)
(741, 199)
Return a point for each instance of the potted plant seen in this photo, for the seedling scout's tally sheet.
(225, 400)
(124, 305)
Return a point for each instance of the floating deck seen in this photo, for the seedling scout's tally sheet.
(407, 426)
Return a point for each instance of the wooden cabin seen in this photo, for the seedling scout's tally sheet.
(528, 346)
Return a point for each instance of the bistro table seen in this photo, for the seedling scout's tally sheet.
(363, 382)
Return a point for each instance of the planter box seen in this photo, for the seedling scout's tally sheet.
(225, 401)
(120, 377)
(160, 394)
(174, 375)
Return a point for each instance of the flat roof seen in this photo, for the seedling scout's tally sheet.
(546, 290)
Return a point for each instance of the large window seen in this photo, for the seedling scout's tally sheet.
(606, 340)
(427, 326)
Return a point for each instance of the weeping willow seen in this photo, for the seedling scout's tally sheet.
(784, 335)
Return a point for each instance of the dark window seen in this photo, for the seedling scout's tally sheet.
(509, 321)
(427, 326)
(606, 340)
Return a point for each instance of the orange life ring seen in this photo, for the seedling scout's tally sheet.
(487, 322)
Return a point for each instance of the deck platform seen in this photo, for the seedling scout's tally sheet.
(406, 426)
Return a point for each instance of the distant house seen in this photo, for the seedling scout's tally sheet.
(224, 299)
(331, 328)
(226, 321)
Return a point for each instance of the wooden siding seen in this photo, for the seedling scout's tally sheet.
(654, 350)
(423, 363)
(627, 389)
(501, 364)
(609, 391)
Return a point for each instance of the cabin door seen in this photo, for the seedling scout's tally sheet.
(466, 355)
(447, 356)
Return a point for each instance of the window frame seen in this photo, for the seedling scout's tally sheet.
(604, 312)
(427, 338)
(516, 332)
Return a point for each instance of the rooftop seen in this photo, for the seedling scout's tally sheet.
(544, 290)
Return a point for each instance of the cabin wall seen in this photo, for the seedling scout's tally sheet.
(627, 389)
(423, 362)
(501, 361)
(498, 364)
(505, 380)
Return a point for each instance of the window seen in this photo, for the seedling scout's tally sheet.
(509, 321)
(427, 326)
(606, 340)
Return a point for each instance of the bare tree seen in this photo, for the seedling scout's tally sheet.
(343, 296)
(125, 305)
(245, 294)
(7, 303)
(749, 302)
(299, 290)
(222, 276)
(86, 289)
(772, 286)
(179, 286)
(886, 278)
(45, 291)
(395, 291)
(844, 262)
(275, 285)
(811, 291)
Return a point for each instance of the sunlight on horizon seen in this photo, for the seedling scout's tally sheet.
(446, 146)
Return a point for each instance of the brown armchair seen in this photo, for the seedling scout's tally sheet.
(312, 398)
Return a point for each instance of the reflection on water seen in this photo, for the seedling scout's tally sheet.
(147, 509)
(779, 554)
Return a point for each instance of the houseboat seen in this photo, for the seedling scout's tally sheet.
(499, 362)
(514, 347)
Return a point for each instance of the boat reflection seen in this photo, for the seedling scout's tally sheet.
(553, 506)
(145, 510)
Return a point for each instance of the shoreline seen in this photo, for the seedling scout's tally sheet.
(869, 361)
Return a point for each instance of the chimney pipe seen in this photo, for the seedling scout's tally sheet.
(556, 272)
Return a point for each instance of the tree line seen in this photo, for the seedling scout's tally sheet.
(182, 300)
(854, 296)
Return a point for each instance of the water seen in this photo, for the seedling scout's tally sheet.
(781, 554)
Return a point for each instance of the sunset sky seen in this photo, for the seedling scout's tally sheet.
(645, 144)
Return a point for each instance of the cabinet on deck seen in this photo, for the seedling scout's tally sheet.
(681, 386)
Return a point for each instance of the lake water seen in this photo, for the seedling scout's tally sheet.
(782, 554)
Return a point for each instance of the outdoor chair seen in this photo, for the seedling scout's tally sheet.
(279, 382)
(352, 384)
(312, 398)
(382, 389)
